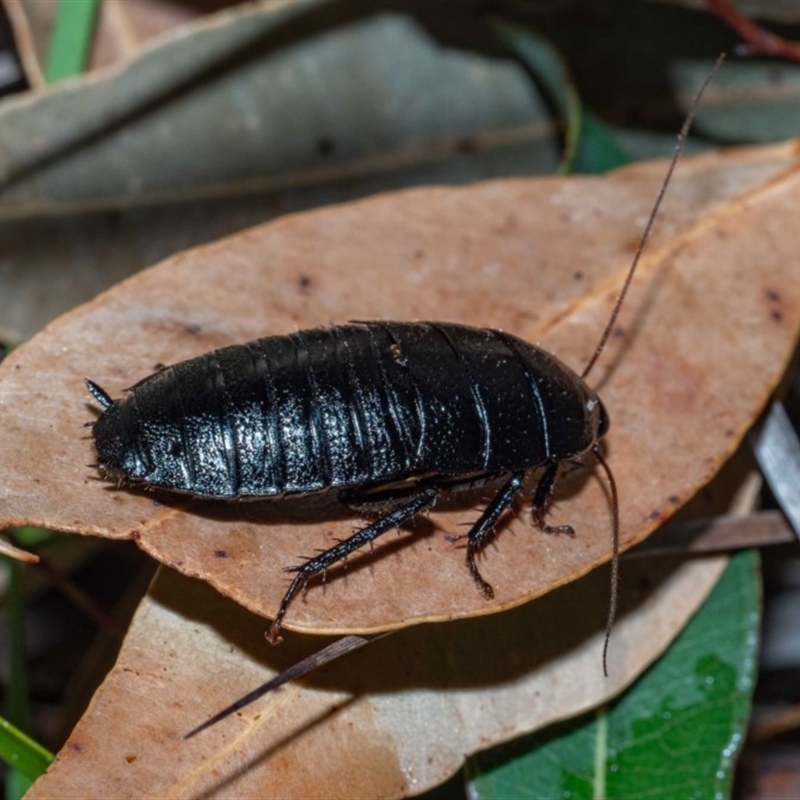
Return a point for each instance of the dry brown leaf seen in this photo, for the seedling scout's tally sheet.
(708, 328)
(392, 720)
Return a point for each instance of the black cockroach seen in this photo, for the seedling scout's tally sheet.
(381, 411)
(391, 412)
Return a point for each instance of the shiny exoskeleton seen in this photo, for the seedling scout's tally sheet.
(381, 411)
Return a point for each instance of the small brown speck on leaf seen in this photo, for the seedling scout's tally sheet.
(774, 298)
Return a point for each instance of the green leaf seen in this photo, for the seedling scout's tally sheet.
(71, 39)
(674, 733)
(550, 72)
(598, 149)
(16, 785)
(31, 537)
(21, 752)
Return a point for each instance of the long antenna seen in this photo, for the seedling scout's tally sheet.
(682, 136)
(612, 606)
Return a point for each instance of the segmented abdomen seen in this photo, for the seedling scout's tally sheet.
(353, 405)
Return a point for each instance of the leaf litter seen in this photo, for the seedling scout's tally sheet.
(710, 324)
(709, 327)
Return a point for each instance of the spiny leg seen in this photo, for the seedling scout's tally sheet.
(340, 550)
(541, 498)
(483, 529)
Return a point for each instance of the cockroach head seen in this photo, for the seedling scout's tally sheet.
(117, 459)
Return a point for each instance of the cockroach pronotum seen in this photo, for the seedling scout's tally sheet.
(390, 412)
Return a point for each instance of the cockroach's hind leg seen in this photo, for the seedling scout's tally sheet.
(541, 499)
(320, 563)
(483, 529)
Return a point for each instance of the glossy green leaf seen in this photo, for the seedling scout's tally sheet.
(675, 733)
